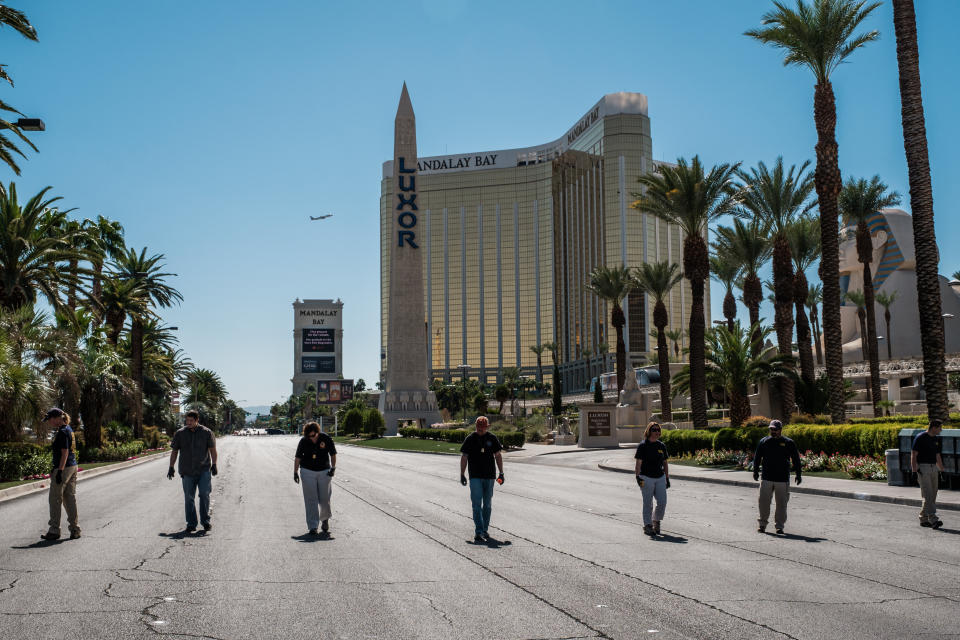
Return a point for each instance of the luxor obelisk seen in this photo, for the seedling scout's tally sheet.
(406, 395)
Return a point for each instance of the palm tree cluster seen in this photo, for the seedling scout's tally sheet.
(101, 351)
(17, 21)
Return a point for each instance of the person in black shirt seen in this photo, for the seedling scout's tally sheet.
(775, 453)
(927, 463)
(653, 476)
(481, 450)
(63, 477)
(316, 462)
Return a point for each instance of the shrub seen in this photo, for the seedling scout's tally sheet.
(353, 422)
(117, 432)
(687, 441)
(509, 439)
(738, 439)
(806, 418)
(722, 457)
(373, 424)
(847, 439)
(112, 453)
(536, 437)
(756, 421)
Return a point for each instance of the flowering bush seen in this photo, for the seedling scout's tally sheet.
(857, 467)
(722, 457)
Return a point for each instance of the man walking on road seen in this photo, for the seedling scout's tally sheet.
(775, 453)
(481, 450)
(927, 463)
(197, 450)
(63, 476)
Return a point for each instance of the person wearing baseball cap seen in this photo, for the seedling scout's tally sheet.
(773, 459)
(63, 476)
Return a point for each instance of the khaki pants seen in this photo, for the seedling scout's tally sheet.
(928, 476)
(63, 495)
(769, 489)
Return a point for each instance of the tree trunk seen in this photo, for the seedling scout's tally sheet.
(783, 318)
(730, 309)
(136, 361)
(752, 297)
(663, 361)
(618, 320)
(739, 407)
(816, 334)
(828, 183)
(886, 317)
(872, 350)
(72, 288)
(803, 328)
(921, 204)
(698, 376)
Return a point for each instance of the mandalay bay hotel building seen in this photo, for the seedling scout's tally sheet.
(509, 238)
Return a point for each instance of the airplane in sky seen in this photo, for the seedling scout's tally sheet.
(321, 217)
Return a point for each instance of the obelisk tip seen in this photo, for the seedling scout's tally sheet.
(405, 108)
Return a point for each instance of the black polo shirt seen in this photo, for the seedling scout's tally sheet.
(480, 452)
(64, 439)
(927, 448)
(315, 456)
(651, 456)
(774, 457)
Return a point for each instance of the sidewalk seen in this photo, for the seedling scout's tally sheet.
(834, 487)
(41, 485)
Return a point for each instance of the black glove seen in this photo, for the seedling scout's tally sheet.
(756, 475)
(639, 481)
(213, 469)
(296, 477)
(463, 479)
(330, 473)
(500, 478)
(170, 474)
(798, 478)
(59, 476)
(668, 483)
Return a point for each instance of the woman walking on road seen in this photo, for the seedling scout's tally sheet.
(315, 461)
(653, 476)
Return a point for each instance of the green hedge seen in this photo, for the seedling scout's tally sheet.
(509, 439)
(111, 453)
(846, 439)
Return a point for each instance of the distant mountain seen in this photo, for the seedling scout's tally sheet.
(262, 409)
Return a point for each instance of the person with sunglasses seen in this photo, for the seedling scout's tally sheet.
(653, 476)
(315, 462)
(773, 460)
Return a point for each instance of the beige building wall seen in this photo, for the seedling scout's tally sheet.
(508, 249)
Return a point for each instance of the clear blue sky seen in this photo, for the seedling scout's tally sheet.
(212, 129)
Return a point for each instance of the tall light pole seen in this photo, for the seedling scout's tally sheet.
(463, 381)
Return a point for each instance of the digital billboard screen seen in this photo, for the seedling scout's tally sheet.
(318, 340)
(318, 364)
(334, 391)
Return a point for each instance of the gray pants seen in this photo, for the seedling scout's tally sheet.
(928, 477)
(653, 488)
(63, 495)
(317, 487)
(769, 489)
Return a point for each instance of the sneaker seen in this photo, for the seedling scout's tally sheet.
(780, 531)
(190, 528)
(485, 536)
(313, 532)
(648, 530)
(51, 536)
(325, 526)
(478, 538)
(937, 524)
(207, 526)
(74, 535)
(926, 523)
(761, 528)
(656, 527)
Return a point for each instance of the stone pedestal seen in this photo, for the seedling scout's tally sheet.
(635, 407)
(598, 425)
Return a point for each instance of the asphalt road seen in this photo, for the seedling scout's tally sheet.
(401, 564)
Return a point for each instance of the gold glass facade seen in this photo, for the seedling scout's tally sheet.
(509, 238)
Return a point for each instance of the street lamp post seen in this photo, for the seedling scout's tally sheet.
(463, 381)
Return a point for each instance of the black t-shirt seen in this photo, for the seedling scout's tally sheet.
(315, 456)
(479, 451)
(927, 448)
(651, 456)
(774, 457)
(64, 440)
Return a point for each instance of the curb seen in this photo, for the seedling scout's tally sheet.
(41, 485)
(832, 493)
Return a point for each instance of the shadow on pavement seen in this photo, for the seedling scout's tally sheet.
(313, 537)
(176, 535)
(664, 537)
(40, 544)
(794, 536)
(942, 530)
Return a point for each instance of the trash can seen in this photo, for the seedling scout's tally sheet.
(894, 475)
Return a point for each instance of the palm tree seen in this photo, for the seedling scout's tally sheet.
(18, 21)
(856, 298)
(538, 349)
(691, 198)
(657, 279)
(725, 269)
(674, 335)
(152, 290)
(731, 365)
(748, 243)
(777, 197)
(24, 390)
(804, 238)
(820, 36)
(31, 246)
(206, 392)
(859, 201)
(921, 204)
(554, 349)
(613, 285)
(885, 300)
(815, 297)
(109, 243)
(103, 375)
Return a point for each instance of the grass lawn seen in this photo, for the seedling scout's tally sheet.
(688, 462)
(85, 466)
(404, 444)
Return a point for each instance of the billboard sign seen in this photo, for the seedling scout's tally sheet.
(318, 364)
(318, 340)
(334, 391)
